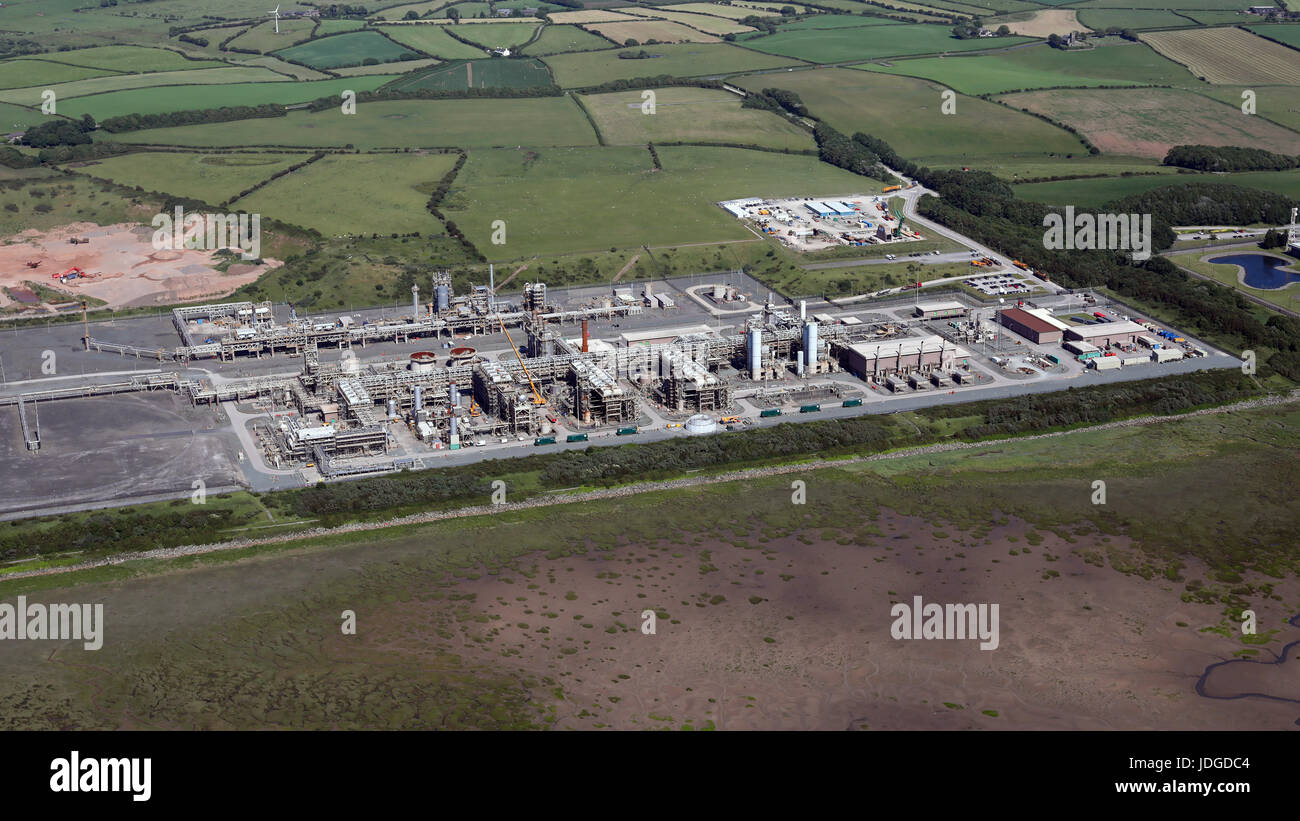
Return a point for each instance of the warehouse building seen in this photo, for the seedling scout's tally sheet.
(1107, 333)
(878, 359)
(1082, 350)
(940, 310)
(1046, 316)
(1031, 327)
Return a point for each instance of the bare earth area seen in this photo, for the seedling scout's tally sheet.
(1044, 23)
(124, 267)
(1147, 122)
(795, 634)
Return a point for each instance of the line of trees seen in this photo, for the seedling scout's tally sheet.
(1228, 158)
(197, 116)
(776, 100)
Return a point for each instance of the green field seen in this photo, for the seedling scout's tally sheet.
(519, 5)
(432, 39)
(498, 35)
(1217, 18)
(122, 82)
(181, 98)
(17, 118)
(1182, 5)
(1276, 103)
(212, 178)
(870, 42)
(488, 73)
(1093, 193)
(344, 50)
(327, 27)
(467, 10)
(1282, 32)
(680, 60)
(402, 66)
(1097, 165)
(408, 123)
(130, 58)
(559, 39)
(1099, 19)
(821, 22)
(906, 113)
(1043, 67)
(398, 12)
(569, 200)
(22, 72)
(691, 115)
(384, 193)
(263, 37)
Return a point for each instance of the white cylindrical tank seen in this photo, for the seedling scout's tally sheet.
(755, 362)
(700, 423)
(810, 344)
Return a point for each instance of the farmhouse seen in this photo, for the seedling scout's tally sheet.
(1262, 10)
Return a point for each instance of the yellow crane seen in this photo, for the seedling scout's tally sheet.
(537, 397)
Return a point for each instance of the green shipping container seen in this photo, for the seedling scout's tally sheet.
(810, 408)
(770, 412)
(577, 437)
(852, 403)
(544, 440)
(625, 431)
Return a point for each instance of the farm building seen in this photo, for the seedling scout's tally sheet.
(940, 310)
(1107, 333)
(874, 359)
(1031, 327)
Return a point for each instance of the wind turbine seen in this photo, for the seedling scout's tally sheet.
(276, 12)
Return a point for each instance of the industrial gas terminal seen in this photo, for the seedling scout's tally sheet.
(291, 400)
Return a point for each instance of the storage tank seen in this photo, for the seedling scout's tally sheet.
(755, 361)
(443, 297)
(810, 344)
(700, 423)
(423, 361)
(452, 429)
(455, 395)
(419, 399)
